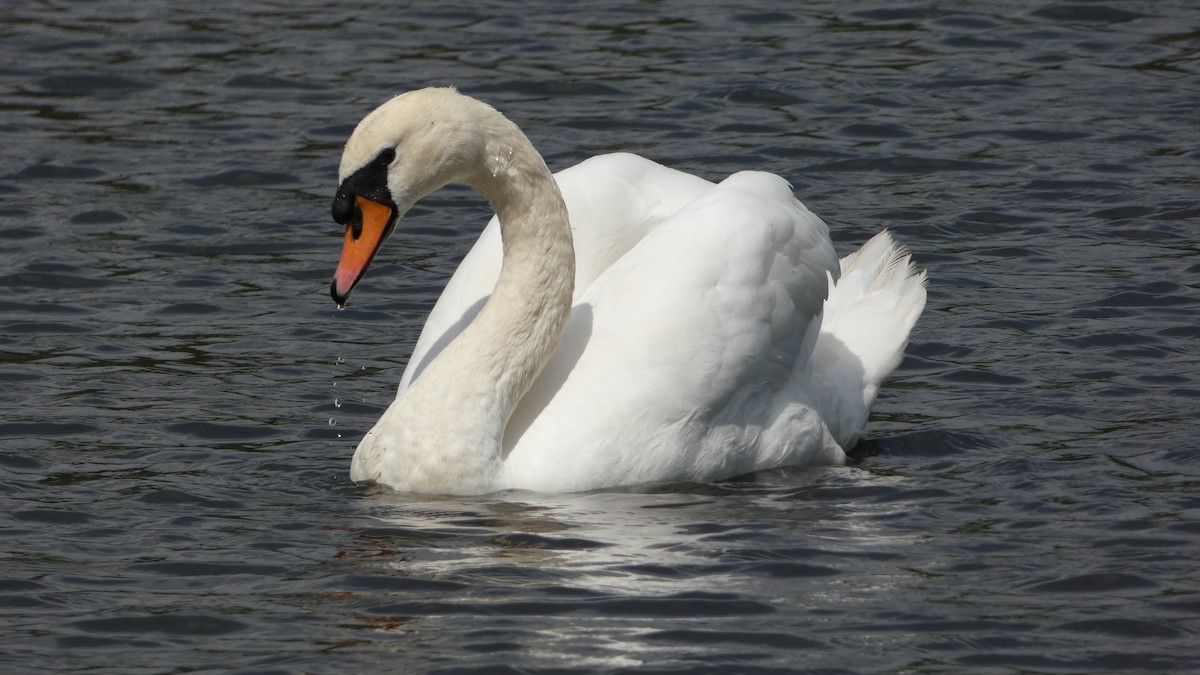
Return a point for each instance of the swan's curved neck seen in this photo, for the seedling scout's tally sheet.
(518, 329)
(458, 408)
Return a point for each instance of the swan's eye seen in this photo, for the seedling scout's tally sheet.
(386, 157)
(342, 205)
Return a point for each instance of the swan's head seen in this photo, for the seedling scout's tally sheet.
(403, 150)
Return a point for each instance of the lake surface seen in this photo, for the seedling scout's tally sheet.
(179, 397)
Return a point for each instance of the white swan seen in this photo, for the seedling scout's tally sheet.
(617, 323)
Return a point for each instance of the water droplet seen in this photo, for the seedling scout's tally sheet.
(337, 403)
(332, 422)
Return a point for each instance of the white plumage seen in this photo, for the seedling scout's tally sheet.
(698, 336)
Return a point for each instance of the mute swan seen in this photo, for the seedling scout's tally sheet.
(617, 323)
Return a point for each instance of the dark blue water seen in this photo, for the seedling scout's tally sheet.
(179, 398)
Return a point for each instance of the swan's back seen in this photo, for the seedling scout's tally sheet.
(682, 360)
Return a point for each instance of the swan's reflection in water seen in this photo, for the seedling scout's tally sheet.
(616, 577)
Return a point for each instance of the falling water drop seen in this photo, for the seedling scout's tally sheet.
(337, 401)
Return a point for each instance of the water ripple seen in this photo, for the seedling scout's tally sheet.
(180, 399)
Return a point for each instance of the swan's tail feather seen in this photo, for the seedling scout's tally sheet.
(869, 314)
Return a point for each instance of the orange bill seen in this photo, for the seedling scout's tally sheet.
(360, 245)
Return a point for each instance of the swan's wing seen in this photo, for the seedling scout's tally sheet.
(613, 201)
(672, 362)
